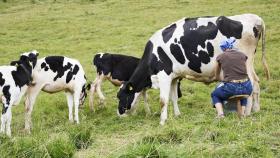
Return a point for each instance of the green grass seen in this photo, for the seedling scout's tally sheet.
(81, 28)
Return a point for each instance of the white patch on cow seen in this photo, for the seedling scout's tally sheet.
(155, 83)
(101, 54)
(135, 100)
(205, 21)
(35, 52)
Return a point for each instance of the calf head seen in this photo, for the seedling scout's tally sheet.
(127, 98)
(27, 59)
(26, 64)
(83, 95)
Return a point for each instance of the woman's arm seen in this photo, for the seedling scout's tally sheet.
(217, 71)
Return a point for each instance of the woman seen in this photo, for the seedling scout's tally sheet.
(235, 78)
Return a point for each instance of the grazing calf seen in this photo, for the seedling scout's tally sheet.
(187, 49)
(116, 68)
(53, 74)
(14, 81)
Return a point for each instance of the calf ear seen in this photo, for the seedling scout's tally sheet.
(88, 86)
(129, 87)
(14, 63)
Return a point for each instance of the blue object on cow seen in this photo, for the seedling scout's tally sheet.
(227, 44)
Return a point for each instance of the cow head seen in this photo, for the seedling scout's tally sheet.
(127, 98)
(83, 94)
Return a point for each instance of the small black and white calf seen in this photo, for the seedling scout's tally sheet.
(188, 49)
(116, 68)
(53, 74)
(14, 81)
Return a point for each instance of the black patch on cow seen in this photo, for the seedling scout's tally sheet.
(168, 32)
(7, 95)
(256, 32)
(204, 56)
(2, 80)
(55, 63)
(103, 65)
(21, 76)
(192, 38)
(76, 69)
(175, 40)
(120, 66)
(71, 73)
(44, 66)
(229, 28)
(165, 62)
(210, 49)
(177, 53)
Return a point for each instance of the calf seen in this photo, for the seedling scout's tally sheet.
(53, 74)
(188, 49)
(116, 68)
(14, 81)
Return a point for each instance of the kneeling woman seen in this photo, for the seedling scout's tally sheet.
(235, 77)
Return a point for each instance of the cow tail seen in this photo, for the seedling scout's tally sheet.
(263, 52)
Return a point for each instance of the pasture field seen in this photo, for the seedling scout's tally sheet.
(81, 28)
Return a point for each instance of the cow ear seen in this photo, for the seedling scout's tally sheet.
(14, 63)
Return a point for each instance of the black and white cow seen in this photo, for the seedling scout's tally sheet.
(53, 74)
(116, 68)
(14, 81)
(188, 49)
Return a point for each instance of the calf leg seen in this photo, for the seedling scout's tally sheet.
(146, 104)
(174, 97)
(164, 84)
(77, 94)
(70, 100)
(91, 93)
(8, 120)
(98, 88)
(30, 99)
(6, 116)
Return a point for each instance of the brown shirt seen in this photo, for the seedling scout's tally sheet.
(233, 64)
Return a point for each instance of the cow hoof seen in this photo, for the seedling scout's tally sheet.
(177, 114)
(148, 114)
(162, 123)
(25, 131)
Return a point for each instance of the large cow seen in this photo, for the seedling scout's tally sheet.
(188, 49)
(53, 74)
(14, 81)
(116, 68)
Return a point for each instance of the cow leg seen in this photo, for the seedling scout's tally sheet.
(146, 104)
(98, 89)
(174, 97)
(77, 94)
(30, 99)
(70, 100)
(249, 105)
(256, 92)
(164, 84)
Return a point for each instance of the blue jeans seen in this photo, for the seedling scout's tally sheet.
(227, 89)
